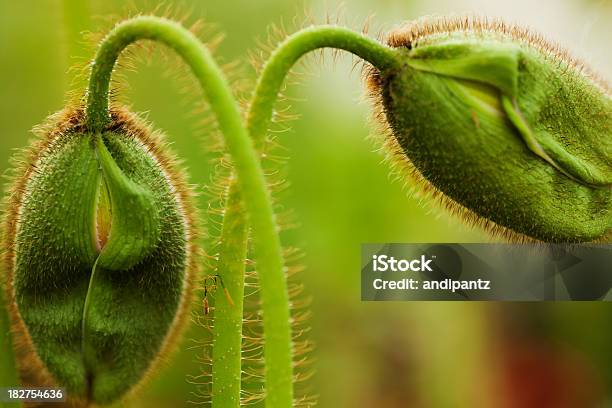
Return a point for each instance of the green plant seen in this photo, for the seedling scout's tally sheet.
(93, 219)
(455, 97)
(68, 159)
(519, 138)
(482, 75)
(275, 302)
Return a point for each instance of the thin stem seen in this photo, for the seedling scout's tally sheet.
(259, 117)
(227, 336)
(291, 50)
(250, 177)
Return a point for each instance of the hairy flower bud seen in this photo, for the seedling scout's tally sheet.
(99, 256)
(503, 125)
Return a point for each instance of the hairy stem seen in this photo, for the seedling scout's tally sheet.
(291, 50)
(250, 177)
(227, 343)
(227, 336)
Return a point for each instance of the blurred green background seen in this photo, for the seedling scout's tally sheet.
(368, 354)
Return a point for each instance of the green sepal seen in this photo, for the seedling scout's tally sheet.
(497, 64)
(493, 64)
(547, 147)
(134, 217)
(529, 163)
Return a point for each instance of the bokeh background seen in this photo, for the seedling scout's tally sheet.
(368, 354)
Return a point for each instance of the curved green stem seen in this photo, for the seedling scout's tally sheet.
(250, 177)
(291, 50)
(234, 234)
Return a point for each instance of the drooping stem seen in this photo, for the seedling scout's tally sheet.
(227, 343)
(291, 50)
(249, 174)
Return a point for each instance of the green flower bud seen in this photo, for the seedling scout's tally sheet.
(503, 126)
(99, 242)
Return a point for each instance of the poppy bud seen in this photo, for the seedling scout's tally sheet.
(504, 126)
(99, 256)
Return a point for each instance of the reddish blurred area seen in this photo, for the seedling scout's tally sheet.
(536, 374)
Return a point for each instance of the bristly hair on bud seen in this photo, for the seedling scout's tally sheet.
(502, 127)
(100, 256)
